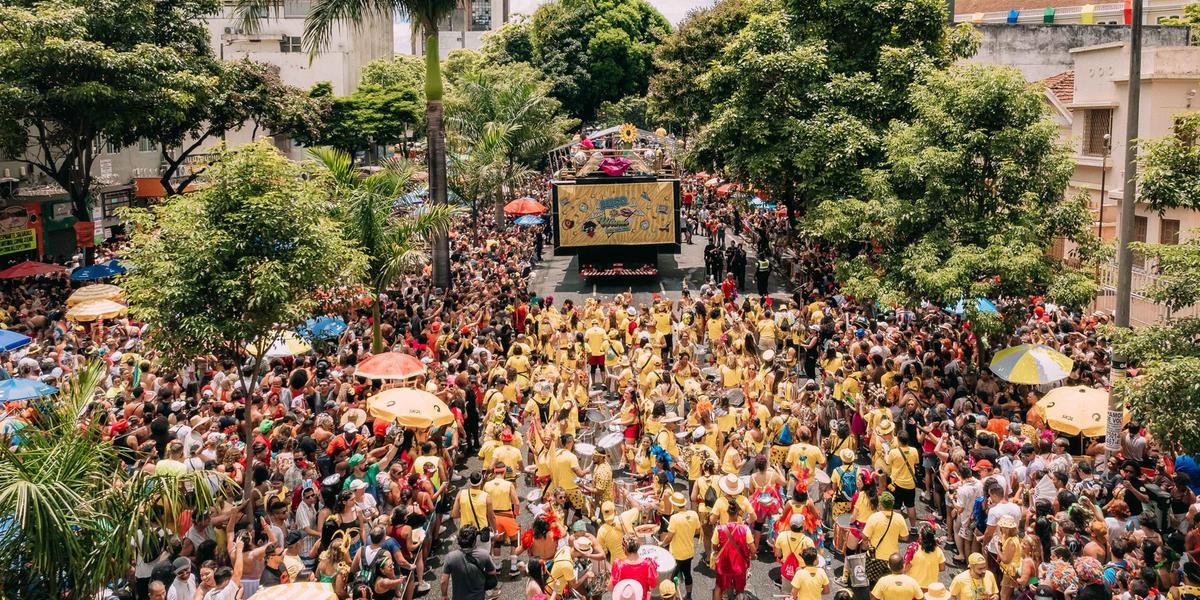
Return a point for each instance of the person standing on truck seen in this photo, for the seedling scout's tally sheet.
(762, 273)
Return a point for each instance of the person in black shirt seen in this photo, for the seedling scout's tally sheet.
(466, 566)
(1132, 489)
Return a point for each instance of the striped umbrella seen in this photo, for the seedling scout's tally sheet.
(1031, 364)
(99, 291)
(288, 344)
(94, 310)
(308, 590)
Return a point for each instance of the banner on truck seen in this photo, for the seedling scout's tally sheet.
(616, 214)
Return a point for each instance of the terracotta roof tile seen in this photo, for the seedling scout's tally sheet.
(1062, 86)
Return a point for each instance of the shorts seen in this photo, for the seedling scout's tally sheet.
(905, 497)
(575, 498)
(683, 569)
(506, 525)
(731, 581)
(596, 361)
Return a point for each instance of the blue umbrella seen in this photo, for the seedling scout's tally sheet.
(11, 340)
(760, 203)
(24, 389)
(529, 220)
(982, 305)
(413, 198)
(322, 328)
(96, 271)
(116, 266)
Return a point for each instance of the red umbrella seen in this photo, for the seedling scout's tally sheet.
(30, 268)
(390, 365)
(524, 206)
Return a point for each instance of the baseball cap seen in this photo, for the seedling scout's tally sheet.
(181, 564)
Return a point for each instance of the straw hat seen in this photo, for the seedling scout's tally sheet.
(885, 427)
(671, 417)
(582, 544)
(937, 591)
(1006, 522)
(846, 454)
(678, 500)
(627, 589)
(731, 484)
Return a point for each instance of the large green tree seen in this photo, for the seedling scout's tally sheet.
(73, 516)
(223, 267)
(511, 43)
(373, 115)
(596, 50)
(80, 74)
(967, 202)
(391, 243)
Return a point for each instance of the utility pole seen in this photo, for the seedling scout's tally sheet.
(1116, 404)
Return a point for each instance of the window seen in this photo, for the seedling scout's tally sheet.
(1098, 124)
(290, 43)
(103, 146)
(481, 15)
(454, 21)
(296, 8)
(146, 145)
(1168, 231)
(1140, 225)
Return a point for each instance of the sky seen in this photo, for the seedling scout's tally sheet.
(673, 10)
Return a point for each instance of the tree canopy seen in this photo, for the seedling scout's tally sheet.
(371, 116)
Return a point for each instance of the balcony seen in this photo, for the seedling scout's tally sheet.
(1142, 310)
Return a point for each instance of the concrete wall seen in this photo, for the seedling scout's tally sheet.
(1040, 51)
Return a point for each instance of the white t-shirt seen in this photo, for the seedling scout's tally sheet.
(993, 517)
(182, 589)
(229, 592)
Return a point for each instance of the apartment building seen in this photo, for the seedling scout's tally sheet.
(465, 27)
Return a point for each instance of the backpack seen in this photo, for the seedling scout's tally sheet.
(785, 435)
(979, 513)
(849, 474)
(710, 495)
(368, 573)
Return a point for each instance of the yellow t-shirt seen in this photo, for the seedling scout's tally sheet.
(562, 469)
(901, 464)
(808, 455)
(500, 491)
(808, 583)
(662, 322)
(964, 586)
(684, 525)
(508, 456)
(595, 338)
(610, 539)
(790, 542)
(885, 538)
(562, 570)
(925, 566)
(472, 508)
(731, 376)
(721, 508)
(728, 466)
(897, 587)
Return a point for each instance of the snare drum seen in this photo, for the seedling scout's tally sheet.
(841, 529)
(610, 442)
(666, 562)
(584, 451)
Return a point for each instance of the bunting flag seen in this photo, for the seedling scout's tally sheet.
(1087, 14)
(1048, 16)
(1128, 12)
(1013, 15)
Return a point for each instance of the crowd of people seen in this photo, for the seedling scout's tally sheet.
(613, 447)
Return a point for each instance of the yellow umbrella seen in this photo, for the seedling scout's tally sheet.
(289, 344)
(1031, 364)
(308, 590)
(1076, 409)
(410, 408)
(94, 310)
(99, 291)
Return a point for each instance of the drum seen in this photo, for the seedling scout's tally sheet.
(584, 451)
(595, 416)
(666, 562)
(841, 529)
(610, 443)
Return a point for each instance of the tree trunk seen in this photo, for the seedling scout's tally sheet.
(376, 333)
(436, 151)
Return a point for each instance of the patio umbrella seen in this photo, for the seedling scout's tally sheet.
(116, 266)
(287, 344)
(94, 310)
(321, 328)
(11, 340)
(305, 590)
(761, 204)
(410, 408)
(96, 271)
(413, 198)
(98, 291)
(30, 268)
(1031, 364)
(524, 206)
(1076, 409)
(12, 390)
(390, 366)
(982, 305)
(712, 182)
(529, 220)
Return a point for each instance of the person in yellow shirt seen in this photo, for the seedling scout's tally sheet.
(732, 488)
(596, 341)
(602, 476)
(506, 455)
(804, 459)
(473, 506)
(564, 468)
(665, 438)
(731, 374)
(611, 532)
(897, 585)
(697, 453)
(928, 561)
(792, 543)
(902, 461)
(680, 539)
(519, 363)
(976, 583)
(502, 496)
(885, 528)
(810, 581)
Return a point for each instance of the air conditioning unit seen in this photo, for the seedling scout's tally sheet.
(7, 173)
(228, 30)
(21, 170)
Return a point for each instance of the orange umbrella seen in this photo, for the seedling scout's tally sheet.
(390, 365)
(524, 206)
(30, 268)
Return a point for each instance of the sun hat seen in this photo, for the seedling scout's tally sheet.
(1006, 522)
(937, 591)
(628, 589)
(885, 427)
(583, 544)
(678, 500)
(846, 454)
(731, 484)
(671, 417)
(418, 536)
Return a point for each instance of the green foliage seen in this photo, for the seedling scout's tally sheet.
(1169, 167)
(512, 43)
(969, 198)
(69, 506)
(76, 72)
(222, 267)
(460, 63)
(688, 54)
(371, 116)
(596, 50)
(1167, 396)
(630, 109)
(402, 71)
(1191, 17)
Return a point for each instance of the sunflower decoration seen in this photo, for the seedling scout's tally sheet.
(629, 133)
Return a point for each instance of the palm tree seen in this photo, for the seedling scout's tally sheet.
(72, 517)
(325, 15)
(391, 243)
